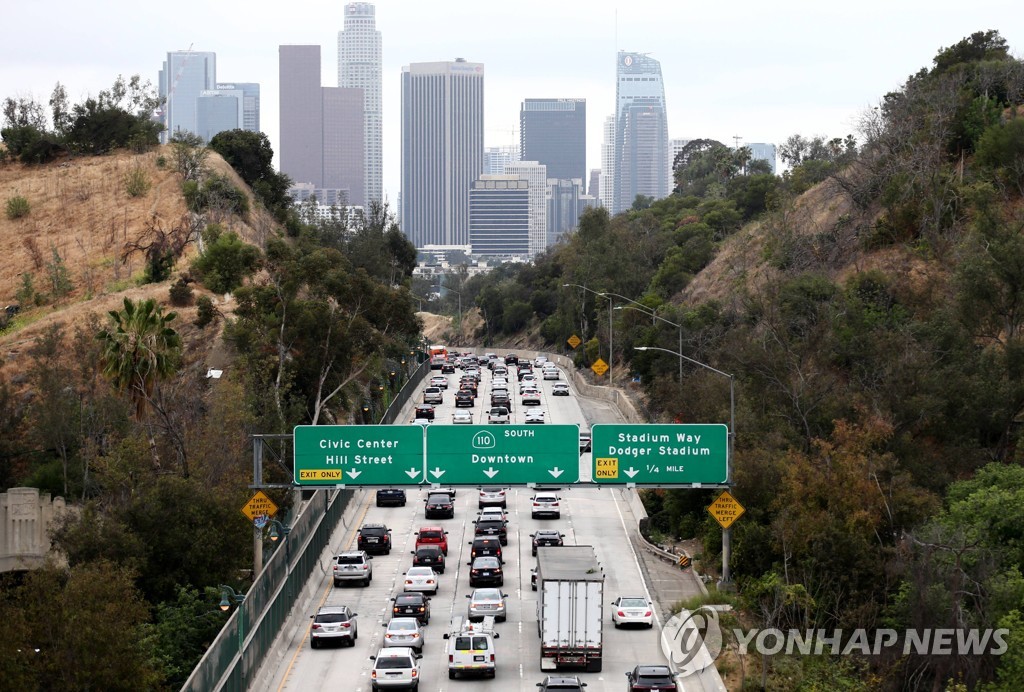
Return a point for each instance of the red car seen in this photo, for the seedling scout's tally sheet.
(432, 535)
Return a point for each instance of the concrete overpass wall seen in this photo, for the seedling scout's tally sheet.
(25, 519)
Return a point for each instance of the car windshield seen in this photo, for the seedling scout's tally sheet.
(490, 523)
(470, 643)
(408, 600)
(350, 559)
(403, 626)
(486, 563)
(393, 662)
(490, 490)
(420, 572)
(431, 534)
(373, 531)
(632, 603)
(547, 534)
(486, 595)
(442, 499)
(332, 617)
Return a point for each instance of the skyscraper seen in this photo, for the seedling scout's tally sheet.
(322, 138)
(761, 151)
(554, 132)
(442, 149)
(641, 131)
(250, 103)
(537, 175)
(359, 67)
(184, 76)
(606, 188)
(499, 216)
(496, 158)
(218, 110)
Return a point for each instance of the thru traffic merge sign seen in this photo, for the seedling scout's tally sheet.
(574, 341)
(358, 454)
(259, 505)
(503, 454)
(726, 509)
(599, 367)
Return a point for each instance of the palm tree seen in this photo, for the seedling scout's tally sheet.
(140, 350)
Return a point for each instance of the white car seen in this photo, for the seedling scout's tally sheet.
(632, 610)
(545, 505)
(531, 397)
(550, 373)
(492, 497)
(395, 668)
(492, 514)
(499, 383)
(539, 361)
(560, 389)
(404, 632)
(462, 418)
(527, 382)
(534, 416)
(421, 579)
(439, 381)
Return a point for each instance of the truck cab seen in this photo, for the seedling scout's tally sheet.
(470, 647)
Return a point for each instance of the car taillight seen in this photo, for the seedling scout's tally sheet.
(647, 614)
(536, 504)
(366, 567)
(451, 659)
(316, 626)
(422, 608)
(622, 614)
(373, 674)
(346, 625)
(388, 636)
(474, 571)
(415, 673)
(492, 658)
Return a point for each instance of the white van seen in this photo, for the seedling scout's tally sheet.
(471, 647)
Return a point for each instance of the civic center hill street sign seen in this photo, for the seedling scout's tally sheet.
(358, 454)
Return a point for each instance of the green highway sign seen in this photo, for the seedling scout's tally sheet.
(359, 454)
(503, 454)
(660, 454)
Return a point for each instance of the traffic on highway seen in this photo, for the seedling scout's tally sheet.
(463, 587)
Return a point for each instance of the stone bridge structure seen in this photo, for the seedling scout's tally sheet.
(26, 516)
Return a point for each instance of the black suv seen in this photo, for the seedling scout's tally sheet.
(374, 538)
(511, 359)
(464, 397)
(484, 546)
(651, 678)
(545, 538)
(494, 528)
(429, 556)
(411, 604)
(439, 505)
(391, 496)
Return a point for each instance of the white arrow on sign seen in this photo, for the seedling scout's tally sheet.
(631, 471)
(437, 472)
(412, 473)
(490, 472)
(355, 474)
(556, 472)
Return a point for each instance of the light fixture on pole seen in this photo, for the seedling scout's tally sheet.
(726, 533)
(655, 316)
(611, 352)
(228, 596)
(277, 532)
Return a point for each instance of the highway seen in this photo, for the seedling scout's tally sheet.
(590, 516)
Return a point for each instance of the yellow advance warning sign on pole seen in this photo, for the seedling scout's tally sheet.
(574, 341)
(599, 367)
(259, 505)
(726, 509)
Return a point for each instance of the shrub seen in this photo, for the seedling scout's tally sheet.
(181, 293)
(225, 261)
(205, 311)
(59, 276)
(136, 182)
(17, 207)
(26, 293)
(161, 162)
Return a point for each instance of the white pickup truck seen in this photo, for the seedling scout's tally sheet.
(497, 414)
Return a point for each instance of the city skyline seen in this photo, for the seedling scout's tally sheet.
(760, 72)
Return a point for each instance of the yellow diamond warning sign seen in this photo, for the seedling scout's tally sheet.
(574, 341)
(259, 505)
(599, 367)
(606, 468)
(726, 509)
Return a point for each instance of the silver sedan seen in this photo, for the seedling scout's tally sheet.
(404, 632)
(484, 602)
(422, 579)
(632, 610)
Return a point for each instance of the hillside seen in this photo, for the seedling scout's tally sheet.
(80, 209)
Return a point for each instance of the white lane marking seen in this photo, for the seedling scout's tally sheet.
(636, 559)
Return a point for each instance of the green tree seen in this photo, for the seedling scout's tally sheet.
(140, 349)
(225, 261)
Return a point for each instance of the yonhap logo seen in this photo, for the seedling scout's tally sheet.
(692, 640)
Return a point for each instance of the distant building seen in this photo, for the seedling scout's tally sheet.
(566, 201)
(641, 131)
(499, 216)
(218, 110)
(184, 76)
(442, 149)
(496, 158)
(553, 132)
(359, 67)
(250, 102)
(322, 140)
(594, 187)
(606, 191)
(763, 152)
(537, 176)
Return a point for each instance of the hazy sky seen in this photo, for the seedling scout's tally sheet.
(759, 70)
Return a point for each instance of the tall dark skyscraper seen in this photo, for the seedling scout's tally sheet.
(442, 149)
(554, 132)
(641, 131)
(322, 138)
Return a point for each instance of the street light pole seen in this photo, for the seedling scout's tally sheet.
(726, 533)
(611, 352)
(228, 596)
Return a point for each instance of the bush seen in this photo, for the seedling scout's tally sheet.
(161, 162)
(181, 293)
(17, 207)
(226, 261)
(205, 311)
(136, 182)
(216, 192)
